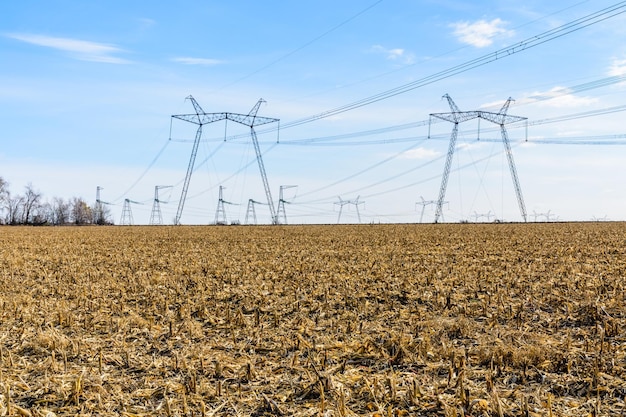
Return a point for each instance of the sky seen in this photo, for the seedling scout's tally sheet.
(88, 90)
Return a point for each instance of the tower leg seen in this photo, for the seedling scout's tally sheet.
(446, 173)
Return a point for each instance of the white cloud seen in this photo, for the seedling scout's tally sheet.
(197, 61)
(617, 68)
(480, 33)
(394, 54)
(420, 153)
(79, 49)
(558, 97)
(468, 146)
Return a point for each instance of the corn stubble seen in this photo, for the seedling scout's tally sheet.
(385, 320)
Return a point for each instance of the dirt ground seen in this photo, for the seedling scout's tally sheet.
(368, 320)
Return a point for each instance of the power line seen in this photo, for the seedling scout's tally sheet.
(298, 49)
(529, 43)
(602, 82)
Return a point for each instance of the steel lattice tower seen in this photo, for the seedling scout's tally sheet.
(425, 203)
(356, 203)
(281, 204)
(251, 211)
(156, 218)
(99, 215)
(127, 214)
(220, 212)
(200, 118)
(501, 118)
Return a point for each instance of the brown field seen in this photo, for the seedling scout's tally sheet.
(385, 320)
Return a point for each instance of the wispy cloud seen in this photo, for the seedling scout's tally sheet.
(78, 49)
(480, 33)
(617, 68)
(197, 61)
(420, 153)
(558, 97)
(394, 54)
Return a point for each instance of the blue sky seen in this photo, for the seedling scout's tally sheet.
(87, 90)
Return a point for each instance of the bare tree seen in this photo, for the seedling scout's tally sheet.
(30, 204)
(4, 189)
(13, 206)
(41, 214)
(81, 213)
(4, 194)
(60, 211)
(102, 216)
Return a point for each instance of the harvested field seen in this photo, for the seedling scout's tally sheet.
(384, 320)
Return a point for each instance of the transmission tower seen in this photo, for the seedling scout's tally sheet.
(99, 217)
(425, 203)
(501, 118)
(220, 212)
(342, 203)
(156, 218)
(281, 204)
(251, 120)
(127, 214)
(548, 216)
(487, 215)
(251, 211)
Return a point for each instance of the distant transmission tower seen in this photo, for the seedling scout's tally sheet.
(425, 203)
(99, 216)
(127, 214)
(281, 204)
(156, 218)
(342, 203)
(501, 118)
(487, 215)
(251, 212)
(220, 212)
(251, 120)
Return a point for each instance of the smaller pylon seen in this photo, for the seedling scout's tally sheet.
(99, 214)
(281, 204)
(478, 216)
(425, 203)
(156, 217)
(251, 211)
(220, 212)
(127, 214)
(356, 203)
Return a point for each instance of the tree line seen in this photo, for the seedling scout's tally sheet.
(30, 208)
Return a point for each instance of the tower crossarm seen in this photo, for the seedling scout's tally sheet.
(455, 117)
(500, 118)
(201, 119)
(247, 120)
